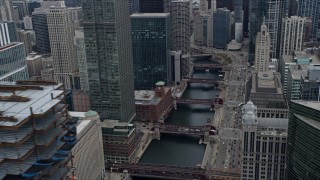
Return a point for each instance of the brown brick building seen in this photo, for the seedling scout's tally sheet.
(153, 105)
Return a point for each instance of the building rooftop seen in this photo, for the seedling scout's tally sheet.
(298, 70)
(301, 57)
(148, 15)
(33, 56)
(311, 122)
(266, 80)
(37, 98)
(273, 122)
(147, 97)
(10, 45)
(311, 104)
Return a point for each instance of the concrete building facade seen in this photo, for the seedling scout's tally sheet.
(6, 13)
(292, 35)
(88, 152)
(264, 145)
(81, 59)
(40, 25)
(13, 65)
(109, 58)
(61, 34)
(262, 53)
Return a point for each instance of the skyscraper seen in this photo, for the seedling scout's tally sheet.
(264, 145)
(13, 65)
(151, 6)
(262, 53)
(6, 13)
(109, 58)
(221, 28)
(303, 155)
(151, 49)
(8, 33)
(40, 25)
(180, 12)
(180, 23)
(310, 8)
(61, 33)
(271, 13)
(22, 8)
(292, 35)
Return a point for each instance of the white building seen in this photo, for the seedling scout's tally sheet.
(61, 34)
(262, 49)
(264, 145)
(292, 35)
(34, 63)
(88, 154)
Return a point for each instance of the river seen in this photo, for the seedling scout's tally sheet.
(182, 150)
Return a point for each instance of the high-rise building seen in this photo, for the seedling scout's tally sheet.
(32, 5)
(221, 28)
(34, 63)
(293, 89)
(8, 33)
(180, 13)
(13, 66)
(25, 37)
(303, 155)
(298, 58)
(292, 35)
(208, 6)
(34, 130)
(151, 49)
(271, 13)
(22, 8)
(266, 91)
(81, 59)
(264, 145)
(109, 58)
(311, 8)
(201, 24)
(6, 11)
(180, 25)
(119, 141)
(71, 3)
(310, 84)
(238, 14)
(88, 152)
(61, 34)
(262, 54)
(27, 21)
(151, 6)
(134, 6)
(238, 20)
(40, 25)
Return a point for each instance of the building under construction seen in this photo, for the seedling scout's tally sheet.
(36, 135)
